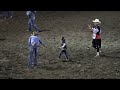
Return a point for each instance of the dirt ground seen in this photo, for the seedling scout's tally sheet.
(70, 24)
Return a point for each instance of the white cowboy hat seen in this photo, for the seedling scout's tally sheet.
(97, 21)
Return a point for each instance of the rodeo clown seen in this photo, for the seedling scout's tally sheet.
(31, 22)
(33, 43)
(96, 30)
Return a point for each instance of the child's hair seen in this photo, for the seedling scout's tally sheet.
(63, 39)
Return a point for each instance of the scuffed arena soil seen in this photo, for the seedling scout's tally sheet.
(72, 25)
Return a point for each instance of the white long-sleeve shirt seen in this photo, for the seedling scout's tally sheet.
(63, 46)
(95, 30)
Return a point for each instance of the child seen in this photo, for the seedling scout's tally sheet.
(63, 48)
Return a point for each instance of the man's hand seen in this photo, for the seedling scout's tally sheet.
(44, 45)
(89, 26)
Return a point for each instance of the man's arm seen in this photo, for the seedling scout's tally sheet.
(42, 43)
(29, 42)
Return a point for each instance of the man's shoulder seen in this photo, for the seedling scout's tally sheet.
(34, 36)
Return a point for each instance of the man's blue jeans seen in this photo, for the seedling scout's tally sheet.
(33, 55)
(31, 23)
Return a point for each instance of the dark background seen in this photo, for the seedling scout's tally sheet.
(60, 5)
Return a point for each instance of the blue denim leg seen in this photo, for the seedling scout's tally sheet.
(30, 56)
(34, 25)
(36, 56)
(29, 25)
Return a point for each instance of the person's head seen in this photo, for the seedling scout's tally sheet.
(96, 22)
(34, 33)
(63, 39)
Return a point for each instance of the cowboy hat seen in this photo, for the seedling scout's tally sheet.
(97, 21)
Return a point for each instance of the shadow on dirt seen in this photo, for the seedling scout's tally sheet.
(51, 68)
(2, 39)
(106, 56)
(43, 30)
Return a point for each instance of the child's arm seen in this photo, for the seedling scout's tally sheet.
(63, 45)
